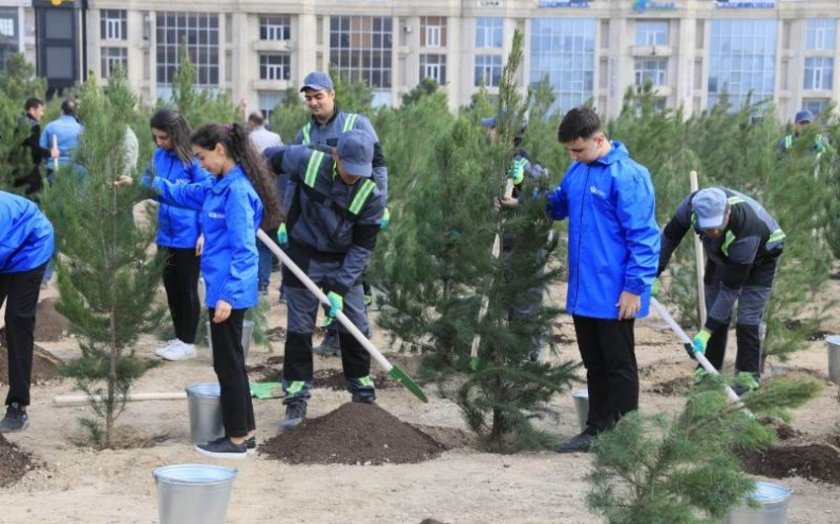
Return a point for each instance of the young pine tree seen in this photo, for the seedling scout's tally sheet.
(17, 83)
(106, 278)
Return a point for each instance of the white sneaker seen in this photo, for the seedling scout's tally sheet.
(165, 348)
(181, 351)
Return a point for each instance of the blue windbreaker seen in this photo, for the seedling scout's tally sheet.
(26, 236)
(613, 236)
(230, 213)
(66, 130)
(176, 226)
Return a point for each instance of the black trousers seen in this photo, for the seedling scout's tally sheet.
(22, 290)
(607, 348)
(180, 278)
(229, 365)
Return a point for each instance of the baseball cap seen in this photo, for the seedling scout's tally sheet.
(355, 150)
(489, 122)
(317, 81)
(804, 116)
(710, 207)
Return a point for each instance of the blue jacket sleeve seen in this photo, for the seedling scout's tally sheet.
(636, 210)
(557, 203)
(189, 196)
(240, 219)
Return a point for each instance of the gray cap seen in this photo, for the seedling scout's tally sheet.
(317, 81)
(355, 150)
(710, 207)
(804, 116)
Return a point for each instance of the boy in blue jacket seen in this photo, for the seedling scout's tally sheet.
(613, 258)
(27, 243)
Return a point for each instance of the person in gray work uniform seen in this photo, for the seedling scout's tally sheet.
(334, 211)
(743, 245)
(327, 123)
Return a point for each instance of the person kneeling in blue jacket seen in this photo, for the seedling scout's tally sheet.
(27, 244)
(613, 257)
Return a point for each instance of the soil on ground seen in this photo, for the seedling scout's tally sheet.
(15, 463)
(50, 325)
(355, 433)
(814, 461)
(45, 366)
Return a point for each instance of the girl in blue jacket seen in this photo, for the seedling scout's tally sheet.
(237, 200)
(26, 244)
(178, 231)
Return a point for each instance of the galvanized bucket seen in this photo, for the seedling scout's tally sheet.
(205, 412)
(772, 500)
(193, 493)
(247, 331)
(833, 342)
(581, 397)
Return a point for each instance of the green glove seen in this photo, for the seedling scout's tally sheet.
(282, 235)
(700, 341)
(336, 304)
(654, 289)
(385, 220)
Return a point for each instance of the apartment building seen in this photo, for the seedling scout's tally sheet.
(692, 51)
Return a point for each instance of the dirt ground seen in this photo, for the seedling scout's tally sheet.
(72, 484)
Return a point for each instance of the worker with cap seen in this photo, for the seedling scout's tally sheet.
(802, 120)
(328, 121)
(334, 211)
(743, 245)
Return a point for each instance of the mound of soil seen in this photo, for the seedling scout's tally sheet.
(354, 433)
(15, 463)
(813, 461)
(45, 365)
(677, 386)
(50, 325)
(269, 371)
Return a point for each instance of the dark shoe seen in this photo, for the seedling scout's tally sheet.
(364, 399)
(251, 445)
(579, 444)
(16, 419)
(295, 413)
(223, 448)
(330, 346)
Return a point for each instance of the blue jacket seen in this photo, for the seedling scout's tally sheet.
(67, 131)
(176, 226)
(27, 239)
(613, 236)
(230, 213)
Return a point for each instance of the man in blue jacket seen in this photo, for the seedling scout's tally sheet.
(66, 130)
(613, 258)
(26, 244)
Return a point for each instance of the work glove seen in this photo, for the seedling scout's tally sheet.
(282, 236)
(654, 289)
(698, 344)
(385, 220)
(336, 304)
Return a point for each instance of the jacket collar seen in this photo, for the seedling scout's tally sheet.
(336, 111)
(617, 152)
(223, 182)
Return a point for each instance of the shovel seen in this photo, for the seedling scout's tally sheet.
(393, 371)
(685, 339)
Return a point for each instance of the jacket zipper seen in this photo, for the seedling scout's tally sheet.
(580, 235)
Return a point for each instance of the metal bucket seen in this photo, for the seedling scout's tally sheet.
(193, 493)
(247, 331)
(772, 502)
(581, 397)
(205, 412)
(833, 342)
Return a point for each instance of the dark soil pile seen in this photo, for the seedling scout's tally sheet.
(813, 461)
(675, 387)
(45, 365)
(50, 325)
(354, 433)
(15, 463)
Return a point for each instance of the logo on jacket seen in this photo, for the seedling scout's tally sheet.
(215, 214)
(595, 191)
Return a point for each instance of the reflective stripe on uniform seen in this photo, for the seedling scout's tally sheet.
(312, 167)
(365, 381)
(361, 196)
(295, 387)
(349, 122)
(305, 131)
(788, 141)
(727, 241)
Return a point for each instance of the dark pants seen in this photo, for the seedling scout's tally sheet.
(22, 289)
(266, 262)
(229, 365)
(180, 278)
(607, 348)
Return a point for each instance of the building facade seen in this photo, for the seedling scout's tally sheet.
(692, 51)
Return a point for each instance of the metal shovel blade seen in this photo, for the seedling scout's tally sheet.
(409, 384)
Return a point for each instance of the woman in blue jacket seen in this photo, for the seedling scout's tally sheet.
(26, 245)
(178, 231)
(231, 208)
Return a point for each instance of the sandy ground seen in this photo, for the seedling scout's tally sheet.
(77, 485)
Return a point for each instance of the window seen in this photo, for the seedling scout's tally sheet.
(112, 24)
(742, 61)
(8, 34)
(274, 27)
(563, 50)
(434, 67)
(111, 58)
(274, 67)
(815, 105)
(819, 71)
(488, 32)
(268, 101)
(653, 70)
(488, 70)
(432, 31)
(360, 47)
(820, 34)
(200, 31)
(649, 32)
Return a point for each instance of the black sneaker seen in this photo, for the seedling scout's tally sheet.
(295, 413)
(364, 399)
(223, 448)
(251, 445)
(330, 345)
(16, 419)
(579, 444)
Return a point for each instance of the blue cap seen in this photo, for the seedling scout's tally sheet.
(355, 150)
(317, 81)
(490, 122)
(804, 116)
(710, 207)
